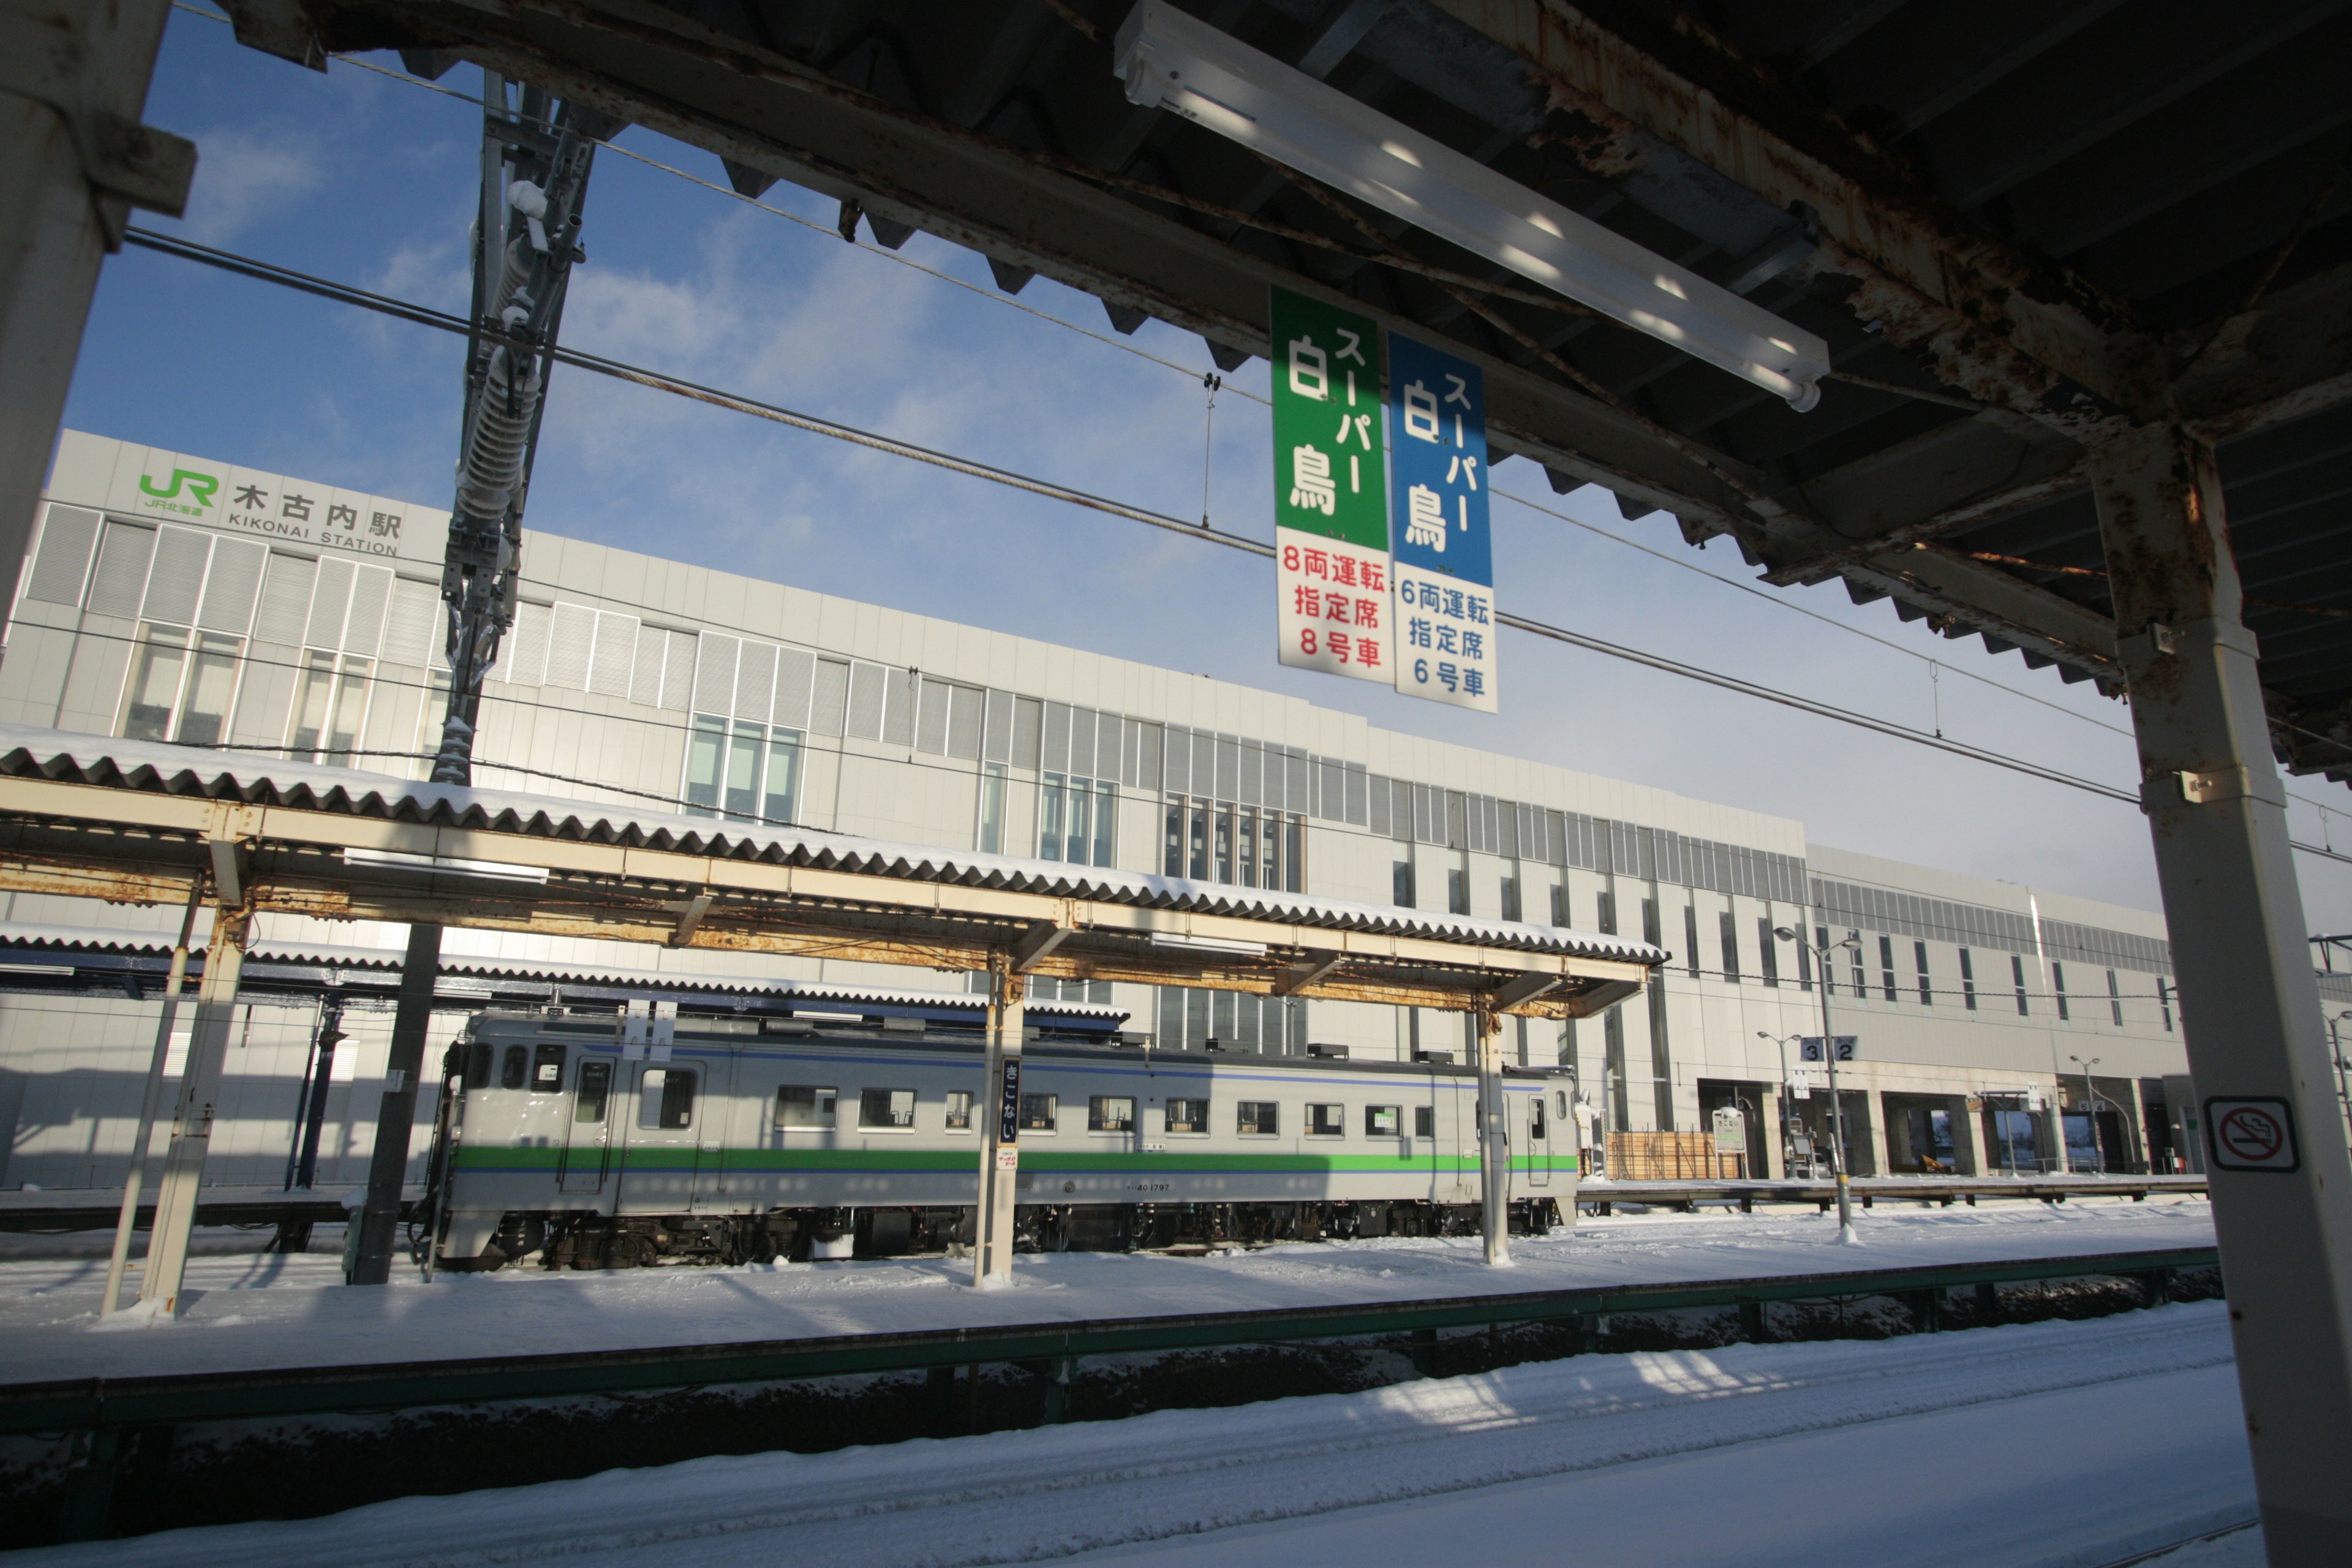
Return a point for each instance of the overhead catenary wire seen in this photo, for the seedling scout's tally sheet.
(657, 381)
(998, 297)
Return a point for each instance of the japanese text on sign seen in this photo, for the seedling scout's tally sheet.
(1332, 579)
(1443, 550)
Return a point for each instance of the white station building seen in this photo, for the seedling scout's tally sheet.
(177, 598)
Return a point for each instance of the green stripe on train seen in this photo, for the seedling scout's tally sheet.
(520, 1161)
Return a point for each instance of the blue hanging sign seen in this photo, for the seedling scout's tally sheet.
(1439, 534)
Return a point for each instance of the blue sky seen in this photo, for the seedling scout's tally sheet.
(370, 181)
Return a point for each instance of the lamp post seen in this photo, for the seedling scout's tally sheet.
(2091, 1099)
(1829, 1054)
(1787, 1105)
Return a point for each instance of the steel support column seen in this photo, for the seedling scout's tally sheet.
(396, 1119)
(150, 1104)
(192, 1125)
(1494, 1142)
(1000, 1130)
(74, 161)
(2251, 1013)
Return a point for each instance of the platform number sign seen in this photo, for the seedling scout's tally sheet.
(1444, 557)
(2253, 1134)
(1330, 490)
(1810, 1047)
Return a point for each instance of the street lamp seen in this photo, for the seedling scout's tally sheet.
(2091, 1099)
(1829, 1054)
(1787, 1104)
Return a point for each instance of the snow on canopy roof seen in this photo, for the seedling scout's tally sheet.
(155, 944)
(28, 751)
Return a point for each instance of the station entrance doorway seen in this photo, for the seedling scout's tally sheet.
(1927, 1135)
(1758, 1107)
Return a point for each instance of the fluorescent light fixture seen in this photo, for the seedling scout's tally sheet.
(401, 859)
(1179, 63)
(1208, 944)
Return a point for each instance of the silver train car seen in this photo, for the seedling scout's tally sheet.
(746, 1141)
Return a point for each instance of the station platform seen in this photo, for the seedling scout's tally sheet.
(274, 1310)
(1600, 1197)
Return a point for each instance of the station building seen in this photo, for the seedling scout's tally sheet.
(178, 598)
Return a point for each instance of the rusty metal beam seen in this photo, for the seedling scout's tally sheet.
(2009, 330)
(129, 845)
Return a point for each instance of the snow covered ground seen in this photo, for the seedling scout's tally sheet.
(2068, 1445)
(272, 1310)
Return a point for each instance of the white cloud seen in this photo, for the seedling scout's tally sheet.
(245, 174)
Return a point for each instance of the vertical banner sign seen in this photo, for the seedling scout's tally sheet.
(1330, 490)
(1444, 555)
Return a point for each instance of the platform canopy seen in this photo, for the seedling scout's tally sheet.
(88, 816)
(2017, 227)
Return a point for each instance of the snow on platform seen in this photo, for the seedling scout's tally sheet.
(270, 1311)
(2055, 1445)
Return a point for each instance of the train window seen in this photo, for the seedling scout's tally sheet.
(479, 1059)
(1535, 1118)
(1110, 1114)
(1188, 1116)
(667, 1098)
(892, 1109)
(1561, 1095)
(1260, 1118)
(547, 1068)
(802, 1105)
(959, 1110)
(596, 1083)
(1424, 1122)
(1040, 1112)
(1382, 1121)
(1327, 1121)
(510, 1071)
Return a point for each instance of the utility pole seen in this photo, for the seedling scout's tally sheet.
(536, 155)
(1837, 1106)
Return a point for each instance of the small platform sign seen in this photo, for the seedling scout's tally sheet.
(2253, 1134)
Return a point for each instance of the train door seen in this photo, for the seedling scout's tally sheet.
(661, 1135)
(1538, 1142)
(587, 1144)
(715, 1126)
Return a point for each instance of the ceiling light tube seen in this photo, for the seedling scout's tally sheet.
(1175, 61)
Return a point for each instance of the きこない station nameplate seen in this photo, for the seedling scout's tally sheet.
(1332, 580)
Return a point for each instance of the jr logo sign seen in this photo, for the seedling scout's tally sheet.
(185, 491)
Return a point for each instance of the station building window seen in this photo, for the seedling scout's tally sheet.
(180, 691)
(1078, 820)
(1967, 981)
(1211, 840)
(1195, 1020)
(741, 770)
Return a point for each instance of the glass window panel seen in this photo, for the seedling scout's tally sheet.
(596, 1083)
(1053, 803)
(349, 710)
(745, 748)
(204, 716)
(1248, 834)
(1198, 827)
(154, 687)
(1258, 1118)
(781, 796)
(803, 1106)
(1040, 1112)
(1171, 861)
(1382, 1121)
(1223, 829)
(1106, 823)
(885, 1108)
(1110, 1114)
(1078, 839)
(1188, 1116)
(704, 748)
(959, 1110)
(310, 704)
(1327, 1121)
(992, 809)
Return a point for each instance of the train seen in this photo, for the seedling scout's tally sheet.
(754, 1140)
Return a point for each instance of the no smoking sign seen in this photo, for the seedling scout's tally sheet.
(2252, 1134)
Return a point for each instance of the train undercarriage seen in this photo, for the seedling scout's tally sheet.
(593, 1241)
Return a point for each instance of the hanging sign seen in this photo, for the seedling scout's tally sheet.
(1443, 550)
(1331, 491)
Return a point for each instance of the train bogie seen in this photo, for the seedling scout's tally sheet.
(736, 1142)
